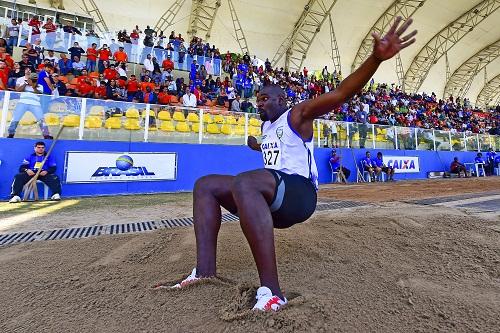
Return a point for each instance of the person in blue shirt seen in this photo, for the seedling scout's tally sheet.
(367, 164)
(31, 164)
(479, 160)
(381, 167)
(335, 165)
(490, 161)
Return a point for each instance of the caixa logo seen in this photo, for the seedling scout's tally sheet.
(124, 167)
(402, 164)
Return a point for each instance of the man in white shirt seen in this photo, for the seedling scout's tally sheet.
(12, 34)
(148, 63)
(189, 99)
(236, 105)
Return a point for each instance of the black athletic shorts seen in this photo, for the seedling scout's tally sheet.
(294, 199)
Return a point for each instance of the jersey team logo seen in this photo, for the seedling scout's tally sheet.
(279, 132)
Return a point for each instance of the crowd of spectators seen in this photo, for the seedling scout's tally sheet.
(105, 74)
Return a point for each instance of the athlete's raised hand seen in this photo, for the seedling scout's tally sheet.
(388, 46)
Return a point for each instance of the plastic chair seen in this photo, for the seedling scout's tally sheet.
(164, 115)
(480, 166)
(179, 116)
(167, 126)
(182, 127)
(132, 113)
(113, 123)
(193, 117)
(71, 120)
(364, 174)
(213, 129)
(132, 124)
(51, 119)
(94, 122)
(45, 191)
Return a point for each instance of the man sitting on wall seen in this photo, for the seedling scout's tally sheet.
(28, 169)
(335, 165)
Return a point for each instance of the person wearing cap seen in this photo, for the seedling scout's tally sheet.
(335, 165)
(29, 100)
(120, 55)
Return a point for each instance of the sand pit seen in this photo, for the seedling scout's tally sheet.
(386, 267)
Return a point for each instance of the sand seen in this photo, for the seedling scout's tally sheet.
(390, 266)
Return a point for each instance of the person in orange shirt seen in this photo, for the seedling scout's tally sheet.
(101, 92)
(167, 64)
(85, 88)
(163, 97)
(92, 54)
(147, 83)
(6, 57)
(120, 55)
(132, 87)
(4, 75)
(104, 54)
(110, 73)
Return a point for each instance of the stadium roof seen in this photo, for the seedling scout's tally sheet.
(450, 31)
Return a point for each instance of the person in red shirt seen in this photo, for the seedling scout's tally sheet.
(132, 88)
(6, 57)
(84, 75)
(92, 57)
(4, 75)
(164, 98)
(110, 73)
(147, 83)
(167, 64)
(101, 92)
(35, 25)
(50, 37)
(120, 55)
(85, 88)
(104, 54)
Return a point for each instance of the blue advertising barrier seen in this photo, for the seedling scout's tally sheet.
(195, 161)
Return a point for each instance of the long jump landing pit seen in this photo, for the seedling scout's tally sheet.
(415, 256)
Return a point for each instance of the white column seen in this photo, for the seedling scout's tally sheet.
(416, 138)
(465, 142)
(246, 128)
(373, 135)
(434, 139)
(146, 122)
(200, 130)
(478, 145)
(347, 133)
(83, 112)
(449, 137)
(5, 110)
(318, 124)
(396, 137)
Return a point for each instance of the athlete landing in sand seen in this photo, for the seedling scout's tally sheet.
(284, 192)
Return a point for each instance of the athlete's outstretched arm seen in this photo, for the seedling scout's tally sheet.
(383, 49)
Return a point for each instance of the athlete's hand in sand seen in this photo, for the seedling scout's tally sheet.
(388, 46)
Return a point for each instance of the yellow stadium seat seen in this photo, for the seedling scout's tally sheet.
(239, 130)
(179, 116)
(131, 124)
(254, 122)
(71, 120)
(231, 120)
(219, 119)
(27, 119)
(225, 129)
(95, 122)
(241, 121)
(132, 113)
(213, 129)
(193, 117)
(182, 127)
(51, 119)
(196, 128)
(207, 119)
(117, 115)
(167, 125)
(164, 115)
(113, 123)
(254, 130)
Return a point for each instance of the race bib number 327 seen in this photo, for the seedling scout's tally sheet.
(271, 152)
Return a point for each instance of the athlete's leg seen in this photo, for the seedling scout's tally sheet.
(253, 192)
(210, 192)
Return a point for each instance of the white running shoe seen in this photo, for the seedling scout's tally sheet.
(266, 301)
(15, 199)
(187, 281)
(56, 197)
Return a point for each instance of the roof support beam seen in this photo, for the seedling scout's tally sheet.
(461, 80)
(488, 93)
(167, 18)
(92, 9)
(444, 40)
(202, 17)
(335, 48)
(403, 8)
(240, 34)
(297, 44)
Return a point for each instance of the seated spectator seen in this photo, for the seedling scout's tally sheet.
(78, 66)
(65, 65)
(367, 165)
(25, 63)
(236, 105)
(14, 75)
(52, 58)
(110, 73)
(479, 160)
(5, 56)
(380, 166)
(120, 55)
(132, 87)
(458, 168)
(164, 97)
(189, 99)
(247, 106)
(28, 169)
(147, 96)
(335, 165)
(62, 90)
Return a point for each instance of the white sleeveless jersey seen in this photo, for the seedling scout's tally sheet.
(284, 150)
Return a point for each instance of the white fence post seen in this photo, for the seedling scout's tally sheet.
(373, 135)
(396, 137)
(83, 112)
(434, 139)
(146, 124)
(5, 110)
(246, 128)
(449, 137)
(200, 130)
